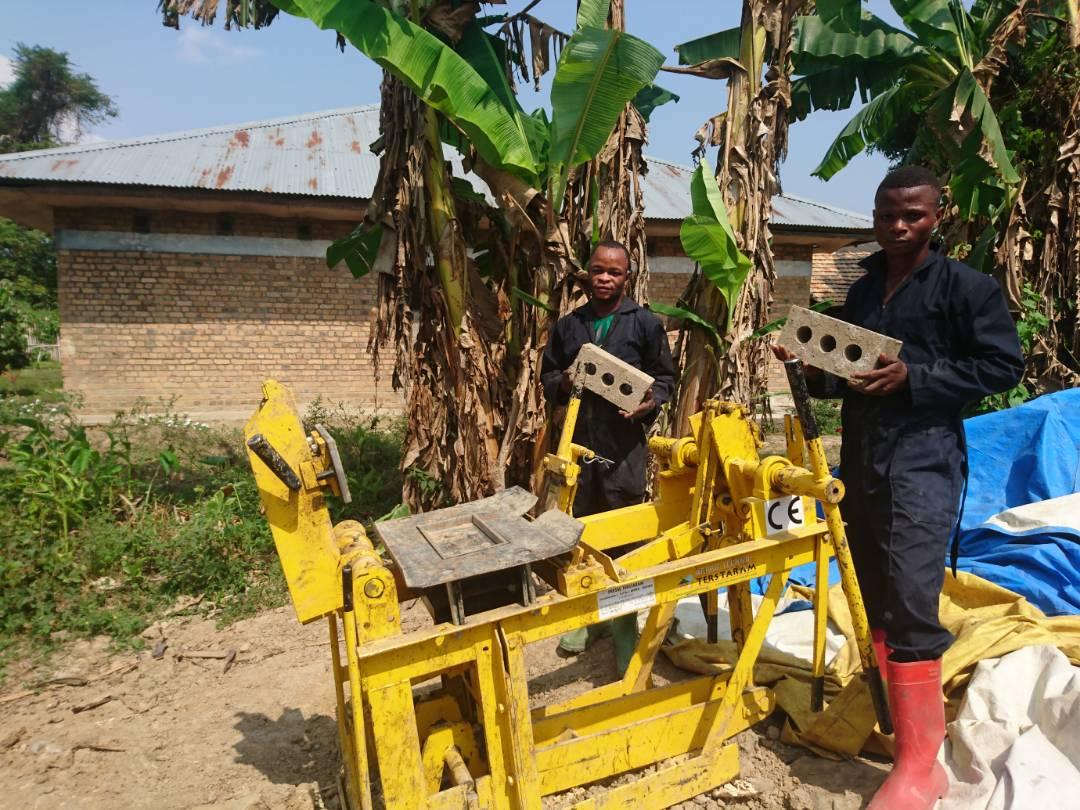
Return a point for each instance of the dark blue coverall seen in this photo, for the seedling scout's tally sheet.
(903, 455)
(636, 337)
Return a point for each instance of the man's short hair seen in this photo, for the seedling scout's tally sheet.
(611, 244)
(911, 177)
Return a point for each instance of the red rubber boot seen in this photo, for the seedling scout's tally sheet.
(917, 780)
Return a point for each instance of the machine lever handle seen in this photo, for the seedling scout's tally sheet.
(272, 459)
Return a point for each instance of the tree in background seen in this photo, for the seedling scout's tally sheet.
(470, 288)
(727, 301)
(48, 104)
(989, 97)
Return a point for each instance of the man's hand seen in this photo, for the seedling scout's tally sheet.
(646, 406)
(566, 382)
(783, 355)
(889, 377)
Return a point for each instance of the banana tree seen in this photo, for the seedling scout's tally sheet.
(733, 293)
(932, 93)
(469, 331)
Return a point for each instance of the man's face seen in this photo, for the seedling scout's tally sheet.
(904, 219)
(608, 274)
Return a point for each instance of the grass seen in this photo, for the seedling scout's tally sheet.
(827, 414)
(105, 529)
(42, 380)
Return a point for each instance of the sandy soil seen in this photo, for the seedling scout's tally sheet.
(98, 730)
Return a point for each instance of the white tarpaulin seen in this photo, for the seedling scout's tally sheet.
(791, 633)
(1015, 744)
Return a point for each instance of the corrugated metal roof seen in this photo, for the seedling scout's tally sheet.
(325, 154)
(667, 196)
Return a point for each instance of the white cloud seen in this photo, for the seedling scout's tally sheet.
(7, 71)
(202, 46)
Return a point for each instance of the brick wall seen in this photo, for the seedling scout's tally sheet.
(208, 328)
(185, 222)
(205, 328)
(835, 272)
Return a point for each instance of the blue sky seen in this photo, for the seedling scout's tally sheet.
(165, 81)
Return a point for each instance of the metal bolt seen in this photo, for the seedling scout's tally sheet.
(586, 582)
(374, 588)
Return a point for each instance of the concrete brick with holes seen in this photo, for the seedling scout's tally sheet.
(191, 265)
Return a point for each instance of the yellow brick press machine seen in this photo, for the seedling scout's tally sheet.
(441, 718)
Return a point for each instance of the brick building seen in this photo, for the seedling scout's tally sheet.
(191, 265)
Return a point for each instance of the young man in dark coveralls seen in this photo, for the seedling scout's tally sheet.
(902, 457)
(620, 327)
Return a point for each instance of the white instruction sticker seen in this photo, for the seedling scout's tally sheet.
(625, 599)
(783, 513)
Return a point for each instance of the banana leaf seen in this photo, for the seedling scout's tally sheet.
(721, 45)
(833, 88)
(968, 99)
(937, 22)
(708, 239)
(815, 44)
(593, 13)
(842, 15)
(438, 75)
(651, 97)
(878, 118)
(358, 250)
(686, 315)
(599, 71)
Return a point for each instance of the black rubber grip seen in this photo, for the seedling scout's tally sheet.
(877, 695)
(817, 694)
(801, 396)
(346, 588)
(272, 459)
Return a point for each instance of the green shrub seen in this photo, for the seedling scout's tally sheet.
(12, 330)
(370, 450)
(105, 528)
(827, 414)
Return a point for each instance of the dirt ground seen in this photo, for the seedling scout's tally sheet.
(98, 730)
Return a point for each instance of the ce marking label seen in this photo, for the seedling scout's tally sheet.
(783, 513)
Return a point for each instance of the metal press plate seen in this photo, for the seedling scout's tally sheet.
(476, 538)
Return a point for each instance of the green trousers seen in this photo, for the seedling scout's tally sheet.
(622, 629)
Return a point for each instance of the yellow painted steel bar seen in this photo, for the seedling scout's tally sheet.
(820, 466)
(360, 762)
(341, 682)
(796, 453)
(577, 760)
(427, 652)
(743, 672)
(510, 657)
(821, 619)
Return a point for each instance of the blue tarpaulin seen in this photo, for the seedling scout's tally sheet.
(1020, 456)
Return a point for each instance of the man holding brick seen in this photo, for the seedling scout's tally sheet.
(903, 458)
(620, 327)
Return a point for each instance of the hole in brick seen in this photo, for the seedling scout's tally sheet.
(627, 389)
(803, 334)
(827, 343)
(590, 368)
(852, 352)
(608, 378)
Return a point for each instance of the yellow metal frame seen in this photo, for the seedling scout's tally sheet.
(442, 717)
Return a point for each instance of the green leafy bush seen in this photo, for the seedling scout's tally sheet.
(104, 528)
(12, 330)
(827, 414)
